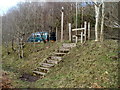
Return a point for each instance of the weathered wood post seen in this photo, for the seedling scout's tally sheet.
(89, 31)
(82, 36)
(85, 24)
(76, 15)
(56, 34)
(62, 24)
(76, 23)
(76, 40)
(70, 35)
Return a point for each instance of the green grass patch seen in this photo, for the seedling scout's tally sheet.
(92, 65)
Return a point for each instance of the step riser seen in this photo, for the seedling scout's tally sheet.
(59, 55)
(51, 62)
(46, 65)
(38, 73)
(56, 58)
(63, 51)
(71, 45)
(42, 70)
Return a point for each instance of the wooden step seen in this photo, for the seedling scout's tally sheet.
(59, 54)
(69, 45)
(43, 68)
(56, 58)
(46, 65)
(64, 49)
(52, 61)
(39, 73)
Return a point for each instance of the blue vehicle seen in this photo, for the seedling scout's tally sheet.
(41, 36)
(38, 37)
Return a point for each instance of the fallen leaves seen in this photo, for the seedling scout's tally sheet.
(6, 82)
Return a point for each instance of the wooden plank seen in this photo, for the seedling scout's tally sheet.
(56, 57)
(64, 49)
(85, 26)
(69, 45)
(62, 15)
(78, 29)
(52, 61)
(89, 31)
(39, 73)
(43, 68)
(76, 39)
(46, 65)
(81, 37)
(70, 38)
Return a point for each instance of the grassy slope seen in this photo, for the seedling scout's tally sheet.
(15, 67)
(90, 65)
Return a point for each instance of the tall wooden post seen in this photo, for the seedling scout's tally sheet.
(89, 31)
(56, 34)
(76, 15)
(62, 24)
(76, 22)
(70, 36)
(85, 24)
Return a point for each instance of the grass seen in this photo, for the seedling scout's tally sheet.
(32, 57)
(92, 65)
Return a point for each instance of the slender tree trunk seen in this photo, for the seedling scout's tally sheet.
(97, 11)
(22, 51)
(102, 22)
(19, 55)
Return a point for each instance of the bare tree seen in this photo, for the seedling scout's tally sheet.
(97, 14)
(102, 20)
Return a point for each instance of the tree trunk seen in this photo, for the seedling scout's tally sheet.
(22, 51)
(19, 55)
(97, 11)
(102, 22)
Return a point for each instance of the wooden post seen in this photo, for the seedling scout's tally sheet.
(81, 36)
(62, 25)
(56, 34)
(76, 23)
(89, 31)
(76, 15)
(76, 40)
(70, 38)
(85, 23)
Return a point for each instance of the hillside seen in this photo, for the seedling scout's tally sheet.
(91, 65)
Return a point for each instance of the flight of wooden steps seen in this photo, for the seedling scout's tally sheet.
(51, 61)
